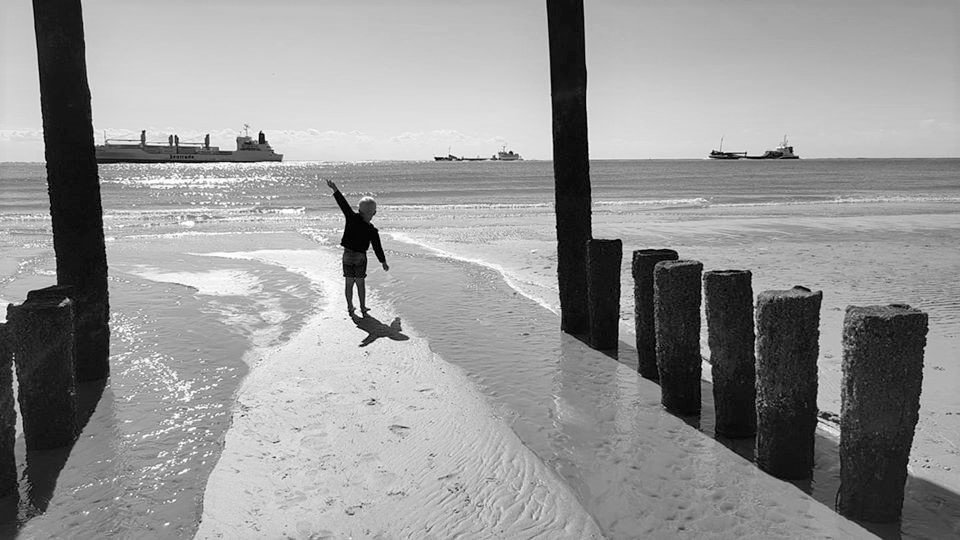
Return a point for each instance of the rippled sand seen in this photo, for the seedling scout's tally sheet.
(333, 439)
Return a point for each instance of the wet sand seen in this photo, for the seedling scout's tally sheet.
(356, 429)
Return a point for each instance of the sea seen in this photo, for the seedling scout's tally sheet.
(472, 253)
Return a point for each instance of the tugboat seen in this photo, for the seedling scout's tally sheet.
(174, 151)
(720, 154)
(783, 151)
(504, 155)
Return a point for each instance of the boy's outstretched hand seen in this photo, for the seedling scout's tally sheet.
(331, 185)
(386, 267)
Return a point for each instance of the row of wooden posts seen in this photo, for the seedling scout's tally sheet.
(765, 384)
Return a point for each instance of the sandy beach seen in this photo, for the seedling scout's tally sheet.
(359, 430)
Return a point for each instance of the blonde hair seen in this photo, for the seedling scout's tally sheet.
(367, 205)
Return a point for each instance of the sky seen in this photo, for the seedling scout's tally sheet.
(350, 80)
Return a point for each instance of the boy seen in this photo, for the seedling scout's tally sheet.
(358, 234)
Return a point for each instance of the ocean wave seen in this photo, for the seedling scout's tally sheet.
(467, 206)
(848, 199)
(698, 201)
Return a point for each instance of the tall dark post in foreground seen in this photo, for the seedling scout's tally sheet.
(8, 418)
(676, 287)
(788, 335)
(43, 344)
(880, 406)
(642, 266)
(571, 167)
(603, 291)
(72, 178)
(728, 298)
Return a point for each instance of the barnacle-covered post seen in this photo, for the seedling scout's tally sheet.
(642, 268)
(677, 320)
(880, 407)
(788, 335)
(728, 299)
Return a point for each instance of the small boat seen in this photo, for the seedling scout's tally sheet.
(504, 155)
(720, 154)
(174, 151)
(783, 151)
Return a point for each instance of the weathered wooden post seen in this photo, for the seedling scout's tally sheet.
(642, 266)
(728, 300)
(788, 334)
(880, 406)
(43, 348)
(8, 418)
(603, 291)
(571, 167)
(72, 178)
(676, 286)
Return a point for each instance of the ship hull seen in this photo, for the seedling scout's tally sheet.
(142, 156)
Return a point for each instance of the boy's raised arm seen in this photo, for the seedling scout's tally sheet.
(341, 200)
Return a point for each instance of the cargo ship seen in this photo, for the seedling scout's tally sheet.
(140, 151)
(783, 151)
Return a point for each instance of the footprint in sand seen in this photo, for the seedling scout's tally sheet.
(399, 430)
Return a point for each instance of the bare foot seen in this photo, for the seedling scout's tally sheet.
(364, 311)
(351, 310)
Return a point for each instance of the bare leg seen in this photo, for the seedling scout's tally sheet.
(348, 292)
(362, 293)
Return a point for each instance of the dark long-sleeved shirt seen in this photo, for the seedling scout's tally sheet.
(357, 233)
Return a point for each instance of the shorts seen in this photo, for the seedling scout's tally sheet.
(354, 264)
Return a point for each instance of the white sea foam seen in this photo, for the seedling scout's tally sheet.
(223, 282)
(849, 199)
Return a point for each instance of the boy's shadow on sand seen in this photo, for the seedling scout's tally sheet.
(376, 329)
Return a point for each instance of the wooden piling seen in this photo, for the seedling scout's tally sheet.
(880, 404)
(8, 418)
(72, 177)
(643, 318)
(676, 286)
(571, 167)
(728, 301)
(788, 333)
(43, 347)
(603, 292)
